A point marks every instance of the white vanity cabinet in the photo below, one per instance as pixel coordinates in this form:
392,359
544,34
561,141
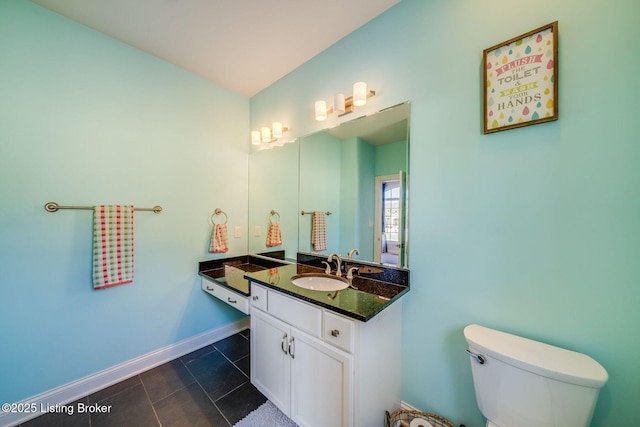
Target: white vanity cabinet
321,368
308,380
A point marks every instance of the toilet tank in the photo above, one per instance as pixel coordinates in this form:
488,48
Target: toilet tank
526,383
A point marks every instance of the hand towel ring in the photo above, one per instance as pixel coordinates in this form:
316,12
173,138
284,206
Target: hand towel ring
271,215
217,212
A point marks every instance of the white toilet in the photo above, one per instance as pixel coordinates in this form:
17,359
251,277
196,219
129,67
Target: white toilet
524,383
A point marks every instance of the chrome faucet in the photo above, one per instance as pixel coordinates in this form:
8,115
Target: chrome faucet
338,263
351,252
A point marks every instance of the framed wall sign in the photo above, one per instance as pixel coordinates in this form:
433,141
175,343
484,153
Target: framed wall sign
521,80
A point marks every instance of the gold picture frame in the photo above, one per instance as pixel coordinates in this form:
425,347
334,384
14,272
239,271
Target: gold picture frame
520,79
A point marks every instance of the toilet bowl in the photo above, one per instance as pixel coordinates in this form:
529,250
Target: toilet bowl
525,383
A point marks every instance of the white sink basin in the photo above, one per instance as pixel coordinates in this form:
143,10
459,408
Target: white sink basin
320,282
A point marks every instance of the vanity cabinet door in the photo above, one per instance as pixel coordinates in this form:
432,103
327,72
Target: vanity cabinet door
270,360
321,383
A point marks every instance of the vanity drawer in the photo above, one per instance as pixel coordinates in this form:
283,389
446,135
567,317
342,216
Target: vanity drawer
302,316
258,297
339,331
235,300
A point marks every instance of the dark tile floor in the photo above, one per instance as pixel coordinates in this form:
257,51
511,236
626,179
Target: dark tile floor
209,387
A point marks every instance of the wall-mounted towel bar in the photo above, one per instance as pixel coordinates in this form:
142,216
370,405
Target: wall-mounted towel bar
309,213
54,207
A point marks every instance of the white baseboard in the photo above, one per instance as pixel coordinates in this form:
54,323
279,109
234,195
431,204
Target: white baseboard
405,406
90,384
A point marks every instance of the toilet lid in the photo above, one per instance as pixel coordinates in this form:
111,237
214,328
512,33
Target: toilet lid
537,357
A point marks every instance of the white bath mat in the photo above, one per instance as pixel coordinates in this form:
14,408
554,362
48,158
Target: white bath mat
267,415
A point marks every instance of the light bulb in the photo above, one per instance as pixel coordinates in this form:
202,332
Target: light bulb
321,110
266,134
255,137
277,130
359,94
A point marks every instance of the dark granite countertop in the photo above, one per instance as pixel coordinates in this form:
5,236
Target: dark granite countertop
363,303
374,289
229,272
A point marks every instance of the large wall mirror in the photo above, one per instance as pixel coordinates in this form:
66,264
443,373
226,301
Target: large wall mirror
273,198
353,176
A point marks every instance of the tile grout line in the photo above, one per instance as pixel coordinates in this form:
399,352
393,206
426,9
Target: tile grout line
115,394
233,363
205,392
153,408
175,391
230,391
90,422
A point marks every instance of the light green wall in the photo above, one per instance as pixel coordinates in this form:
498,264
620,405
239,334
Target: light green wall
348,194
535,230
365,200
86,120
357,197
391,158
320,188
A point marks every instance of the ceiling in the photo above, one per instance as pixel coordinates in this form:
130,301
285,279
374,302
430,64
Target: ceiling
243,45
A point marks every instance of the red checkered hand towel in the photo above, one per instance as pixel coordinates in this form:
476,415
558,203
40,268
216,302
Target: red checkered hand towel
318,232
274,235
219,239
112,246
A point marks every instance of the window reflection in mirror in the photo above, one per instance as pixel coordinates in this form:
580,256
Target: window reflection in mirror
356,171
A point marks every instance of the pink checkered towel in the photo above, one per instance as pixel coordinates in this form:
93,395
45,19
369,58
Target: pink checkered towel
112,246
219,239
318,232
274,235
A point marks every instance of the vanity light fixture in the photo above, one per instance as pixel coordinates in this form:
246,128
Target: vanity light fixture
268,134
342,105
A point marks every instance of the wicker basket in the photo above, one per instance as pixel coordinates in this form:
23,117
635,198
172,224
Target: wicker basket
403,418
